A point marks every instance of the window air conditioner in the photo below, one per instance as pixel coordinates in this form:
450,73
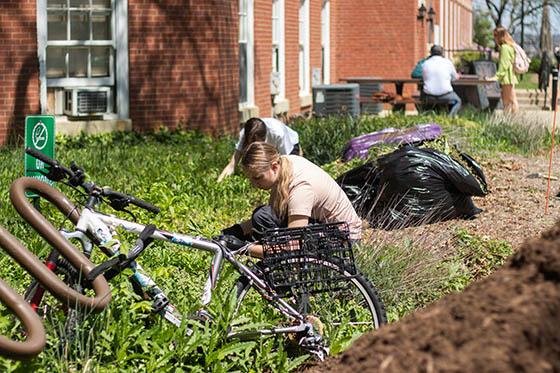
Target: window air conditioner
88,101
335,99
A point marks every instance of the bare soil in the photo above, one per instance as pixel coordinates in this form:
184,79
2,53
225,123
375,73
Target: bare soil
506,322
513,210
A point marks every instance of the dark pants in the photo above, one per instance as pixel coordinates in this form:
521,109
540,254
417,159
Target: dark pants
450,98
264,218
295,150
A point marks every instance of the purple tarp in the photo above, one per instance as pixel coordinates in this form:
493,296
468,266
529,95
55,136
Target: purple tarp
359,146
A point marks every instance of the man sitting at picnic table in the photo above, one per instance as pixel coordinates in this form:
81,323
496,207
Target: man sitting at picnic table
437,74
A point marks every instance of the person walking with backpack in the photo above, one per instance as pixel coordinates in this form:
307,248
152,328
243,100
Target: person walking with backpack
506,74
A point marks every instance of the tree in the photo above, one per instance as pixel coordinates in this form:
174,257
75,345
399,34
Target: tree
546,36
500,10
482,29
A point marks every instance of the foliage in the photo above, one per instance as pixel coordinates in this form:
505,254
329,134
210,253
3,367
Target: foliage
463,60
483,29
479,133
411,274
177,171
535,65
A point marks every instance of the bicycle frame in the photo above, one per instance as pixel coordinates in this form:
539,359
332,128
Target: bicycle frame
102,227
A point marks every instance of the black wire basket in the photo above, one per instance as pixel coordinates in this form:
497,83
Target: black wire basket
313,259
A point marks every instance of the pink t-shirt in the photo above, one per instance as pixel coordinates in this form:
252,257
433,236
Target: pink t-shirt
313,193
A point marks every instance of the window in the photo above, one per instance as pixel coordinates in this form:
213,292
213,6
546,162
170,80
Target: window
245,52
278,42
325,42
304,87
78,48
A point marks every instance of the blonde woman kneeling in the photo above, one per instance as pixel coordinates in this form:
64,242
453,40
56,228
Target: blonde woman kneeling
300,193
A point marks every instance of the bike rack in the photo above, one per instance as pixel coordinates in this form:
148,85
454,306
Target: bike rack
31,263
50,281
34,327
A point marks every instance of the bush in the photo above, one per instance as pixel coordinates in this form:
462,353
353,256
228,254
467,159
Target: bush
535,65
463,60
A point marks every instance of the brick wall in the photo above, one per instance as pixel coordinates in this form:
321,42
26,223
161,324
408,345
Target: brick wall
263,55
263,51
291,37
184,64
19,67
375,38
184,56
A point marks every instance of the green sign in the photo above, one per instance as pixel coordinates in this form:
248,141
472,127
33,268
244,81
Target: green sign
39,135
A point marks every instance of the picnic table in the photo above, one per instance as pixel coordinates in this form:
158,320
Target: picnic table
400,101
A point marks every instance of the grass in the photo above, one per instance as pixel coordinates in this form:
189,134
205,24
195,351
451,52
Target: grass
177,172
412,271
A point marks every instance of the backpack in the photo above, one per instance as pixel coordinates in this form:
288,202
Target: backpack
417,72
521,62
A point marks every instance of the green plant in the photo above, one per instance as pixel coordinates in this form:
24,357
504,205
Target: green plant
177,171
463,59
412,271
535,65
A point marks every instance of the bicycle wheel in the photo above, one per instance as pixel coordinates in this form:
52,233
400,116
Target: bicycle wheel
342,314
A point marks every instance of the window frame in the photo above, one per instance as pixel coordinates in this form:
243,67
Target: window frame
279,43
118,60
326,41
250,53
304,60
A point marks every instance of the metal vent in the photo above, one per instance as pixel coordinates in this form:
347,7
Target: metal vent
367,89
88,101
336,99
92,102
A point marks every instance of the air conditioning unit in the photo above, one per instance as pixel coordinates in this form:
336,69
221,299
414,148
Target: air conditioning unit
88,101
367,89
333,99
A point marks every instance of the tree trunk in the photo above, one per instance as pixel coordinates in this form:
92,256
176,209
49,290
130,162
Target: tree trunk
546,35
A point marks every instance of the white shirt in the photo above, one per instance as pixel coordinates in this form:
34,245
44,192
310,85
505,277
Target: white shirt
437,74
277,134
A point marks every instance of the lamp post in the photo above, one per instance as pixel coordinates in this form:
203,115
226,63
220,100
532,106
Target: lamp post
431,17
421,12
555,69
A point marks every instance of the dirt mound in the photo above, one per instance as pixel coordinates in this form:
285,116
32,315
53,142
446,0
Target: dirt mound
507,322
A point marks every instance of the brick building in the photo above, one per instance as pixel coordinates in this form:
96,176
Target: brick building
203,64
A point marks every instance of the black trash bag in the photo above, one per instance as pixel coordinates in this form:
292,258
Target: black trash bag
413,186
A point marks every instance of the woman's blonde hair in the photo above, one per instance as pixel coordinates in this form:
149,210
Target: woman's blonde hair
502,36
257,159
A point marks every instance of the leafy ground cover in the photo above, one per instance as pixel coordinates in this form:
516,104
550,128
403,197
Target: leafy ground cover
177,171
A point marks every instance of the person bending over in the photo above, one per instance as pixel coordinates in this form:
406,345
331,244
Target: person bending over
437,74
269,130
300,193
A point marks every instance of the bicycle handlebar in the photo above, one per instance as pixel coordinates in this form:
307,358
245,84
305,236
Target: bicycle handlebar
112,267
121,199
76,178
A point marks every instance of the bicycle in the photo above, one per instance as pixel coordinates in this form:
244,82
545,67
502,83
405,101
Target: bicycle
326,275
